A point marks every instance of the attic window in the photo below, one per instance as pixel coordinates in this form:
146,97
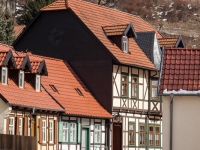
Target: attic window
37,83
4,76
21,79
79,91
53,87
125,44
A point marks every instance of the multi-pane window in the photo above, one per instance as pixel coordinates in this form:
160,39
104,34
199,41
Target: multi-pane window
11,126
4,76
157,135
154,135
141,134
154,88
20,126
151,135
51,131
21,79
125,44
65,132
131,134
124,87
69,131
44,131
134,87
37,83
72,132
97,133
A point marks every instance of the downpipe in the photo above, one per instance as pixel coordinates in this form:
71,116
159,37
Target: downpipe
171,120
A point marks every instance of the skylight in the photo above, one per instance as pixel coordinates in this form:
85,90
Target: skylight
79,91
53,87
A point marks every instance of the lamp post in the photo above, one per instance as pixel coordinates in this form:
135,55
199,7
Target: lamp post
118,117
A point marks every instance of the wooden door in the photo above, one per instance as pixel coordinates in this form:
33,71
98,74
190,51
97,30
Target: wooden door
85,139
117,136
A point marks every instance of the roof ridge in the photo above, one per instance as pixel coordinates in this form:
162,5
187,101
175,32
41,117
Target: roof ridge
6,45
112,9
182,48
45,57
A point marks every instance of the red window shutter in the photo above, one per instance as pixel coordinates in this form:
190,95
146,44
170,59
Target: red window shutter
25,125
40,130
55,131
17,125
7,125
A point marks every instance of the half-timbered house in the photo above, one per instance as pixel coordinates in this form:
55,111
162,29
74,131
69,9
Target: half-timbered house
26,109
180,90
101,45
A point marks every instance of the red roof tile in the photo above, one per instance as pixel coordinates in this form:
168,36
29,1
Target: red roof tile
95,17
180,70
168,42
61,75
18,30
115,30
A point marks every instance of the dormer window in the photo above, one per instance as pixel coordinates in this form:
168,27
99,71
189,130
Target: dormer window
4,76
21,79
37,83
125,44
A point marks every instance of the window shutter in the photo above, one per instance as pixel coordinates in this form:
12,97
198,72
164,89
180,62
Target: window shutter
17,125
79,133
55,131
40,130
60,131
25,120
7,125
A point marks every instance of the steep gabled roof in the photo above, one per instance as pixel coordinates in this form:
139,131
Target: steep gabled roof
180,71
26,97
171,42
70,91
95,17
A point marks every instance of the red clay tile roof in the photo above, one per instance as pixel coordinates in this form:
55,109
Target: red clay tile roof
181,70
61,75
18,30
168,42
115,30
95,17
26,97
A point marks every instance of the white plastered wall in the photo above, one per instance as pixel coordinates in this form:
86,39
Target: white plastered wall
186,120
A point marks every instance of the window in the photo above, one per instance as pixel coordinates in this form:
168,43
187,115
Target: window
141,134
134,87
151,137
125,44
51,131
21,79
4,76
131,134
68,132
53,87
11,126
154,87
65,132
20,126
157,135
37,83
97,133
43,131
124,88
29,129
154,135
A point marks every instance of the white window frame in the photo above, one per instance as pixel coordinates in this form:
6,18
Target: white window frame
51,131
97,133
20,126
29,129
73,131
21,78
12,126
6,75
37,83
44,131
65,131
125,44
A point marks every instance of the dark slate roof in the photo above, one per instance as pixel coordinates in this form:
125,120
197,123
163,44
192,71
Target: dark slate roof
145,40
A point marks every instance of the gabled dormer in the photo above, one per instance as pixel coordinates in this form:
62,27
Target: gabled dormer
120,35
172,42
